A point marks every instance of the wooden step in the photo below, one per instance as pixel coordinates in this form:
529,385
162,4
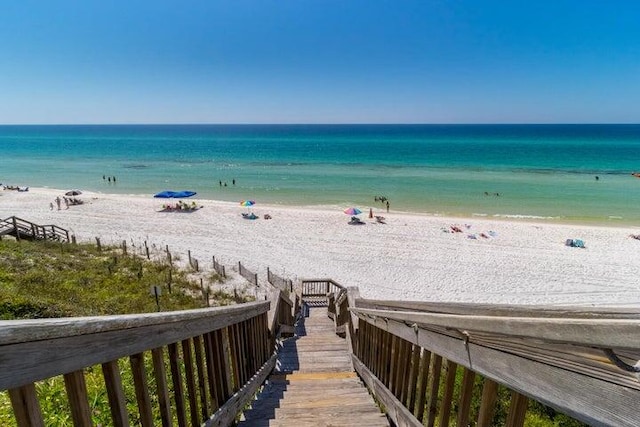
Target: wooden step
313,383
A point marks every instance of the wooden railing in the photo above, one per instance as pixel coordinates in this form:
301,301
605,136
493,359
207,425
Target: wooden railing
217,359
21,228
427,362
318,288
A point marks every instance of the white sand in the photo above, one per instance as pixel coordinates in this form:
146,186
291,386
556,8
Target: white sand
408,258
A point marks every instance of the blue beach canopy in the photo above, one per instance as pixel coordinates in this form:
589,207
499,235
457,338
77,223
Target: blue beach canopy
167,194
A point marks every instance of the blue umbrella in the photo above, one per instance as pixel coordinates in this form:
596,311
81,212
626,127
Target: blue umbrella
167,194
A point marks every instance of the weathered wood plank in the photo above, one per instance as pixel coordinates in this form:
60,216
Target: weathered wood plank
178,390
115,394
447,397
187,358
606,403
142,389
394,408
23,361
26,407
487,403
606,333
78,400
226,414
436,372
12,331
466,394
504,310
162,391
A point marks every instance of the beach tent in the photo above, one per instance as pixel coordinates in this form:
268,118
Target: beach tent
167,194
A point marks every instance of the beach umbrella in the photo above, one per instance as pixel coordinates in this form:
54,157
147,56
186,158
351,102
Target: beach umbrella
73,193
167,194
247,203
352,211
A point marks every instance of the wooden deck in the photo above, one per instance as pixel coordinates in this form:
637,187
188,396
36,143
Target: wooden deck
313,383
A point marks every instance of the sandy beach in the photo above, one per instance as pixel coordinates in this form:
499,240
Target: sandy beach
410,257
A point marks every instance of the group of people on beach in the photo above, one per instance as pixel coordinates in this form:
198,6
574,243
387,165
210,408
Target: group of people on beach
224,184
68,201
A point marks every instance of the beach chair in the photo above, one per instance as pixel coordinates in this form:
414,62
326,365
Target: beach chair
355,221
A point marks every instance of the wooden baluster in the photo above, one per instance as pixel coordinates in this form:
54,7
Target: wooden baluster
445,408
436,372
78,400
142,390
160,374
413,377
213,372
115,393
487,403
176,378
202,381
466,394
26,407
517,410
187,357
423,380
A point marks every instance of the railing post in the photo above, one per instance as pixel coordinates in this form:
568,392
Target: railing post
15,227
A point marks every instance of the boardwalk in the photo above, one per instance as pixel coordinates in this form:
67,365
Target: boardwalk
314,383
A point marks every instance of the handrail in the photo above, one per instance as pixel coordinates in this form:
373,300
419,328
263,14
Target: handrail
222,353
409,353
22,226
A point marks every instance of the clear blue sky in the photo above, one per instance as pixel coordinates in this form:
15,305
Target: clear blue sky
306,61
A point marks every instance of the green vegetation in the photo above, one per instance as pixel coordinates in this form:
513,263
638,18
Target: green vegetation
47,279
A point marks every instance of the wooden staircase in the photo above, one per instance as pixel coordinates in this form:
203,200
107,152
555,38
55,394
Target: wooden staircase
22,229
313,383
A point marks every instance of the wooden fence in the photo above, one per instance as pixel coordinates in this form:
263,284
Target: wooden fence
285,285
248,274
427,362
217,359
219,268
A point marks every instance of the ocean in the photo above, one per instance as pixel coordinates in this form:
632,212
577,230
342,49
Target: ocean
560,173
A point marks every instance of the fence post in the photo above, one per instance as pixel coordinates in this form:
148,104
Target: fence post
73,239
124,247
146,248
255,279
189,255
98,244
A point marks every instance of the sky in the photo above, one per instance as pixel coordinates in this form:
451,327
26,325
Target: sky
324,61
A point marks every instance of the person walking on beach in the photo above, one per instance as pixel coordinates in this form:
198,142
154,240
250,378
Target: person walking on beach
387,206
58,202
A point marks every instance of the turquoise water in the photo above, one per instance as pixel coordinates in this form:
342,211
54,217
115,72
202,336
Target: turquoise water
539,171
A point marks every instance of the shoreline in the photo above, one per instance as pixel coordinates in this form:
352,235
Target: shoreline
408,258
